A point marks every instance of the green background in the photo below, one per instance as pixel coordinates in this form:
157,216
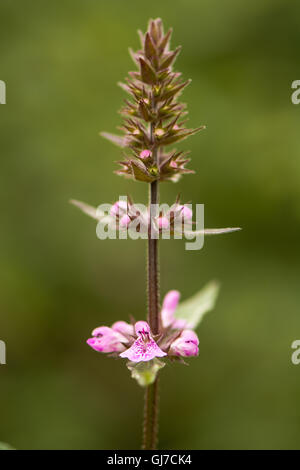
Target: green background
61,60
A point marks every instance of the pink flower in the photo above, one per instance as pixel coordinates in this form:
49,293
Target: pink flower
169,306
186,345
144,348
185,212
170,303
125,220
107,340
145,154
118,208
163,222
123,328
173,164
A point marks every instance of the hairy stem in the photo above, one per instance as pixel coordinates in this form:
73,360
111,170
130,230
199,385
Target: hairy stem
152,392
151,416
153,267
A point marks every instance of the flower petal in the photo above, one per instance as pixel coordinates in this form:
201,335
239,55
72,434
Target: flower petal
143,351
123,327
142,327
186,345
106,344
170,303
102,330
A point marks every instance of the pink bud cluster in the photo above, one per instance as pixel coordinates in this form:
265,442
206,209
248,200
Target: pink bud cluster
179,212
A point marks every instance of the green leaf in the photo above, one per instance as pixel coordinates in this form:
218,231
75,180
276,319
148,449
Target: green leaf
140,171
145,372
173,90
170,58
194,308
4,446
179,135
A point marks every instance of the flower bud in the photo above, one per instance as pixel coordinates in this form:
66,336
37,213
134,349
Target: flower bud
159,132
119,208
107,340
125,220
185,212
145,154
186,345
163,222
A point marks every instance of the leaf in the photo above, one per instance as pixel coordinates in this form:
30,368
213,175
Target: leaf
144,111
133,55
174,90
115,139
147,73
180,135
194,308
162,45
155,30
87,209
170,58
140,172
4,446
150,51
213,231
145,372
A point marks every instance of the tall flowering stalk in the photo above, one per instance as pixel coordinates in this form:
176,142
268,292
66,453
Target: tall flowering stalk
153,119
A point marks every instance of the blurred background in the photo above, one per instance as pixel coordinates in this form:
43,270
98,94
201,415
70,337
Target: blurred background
61,61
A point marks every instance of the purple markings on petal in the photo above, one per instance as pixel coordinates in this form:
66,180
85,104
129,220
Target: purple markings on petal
144,348
186,345
170,303
142,327
143,351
